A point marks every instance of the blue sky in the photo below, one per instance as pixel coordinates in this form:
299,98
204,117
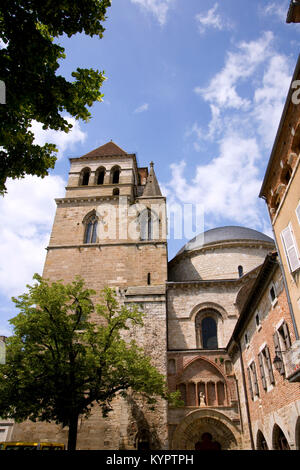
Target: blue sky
197,87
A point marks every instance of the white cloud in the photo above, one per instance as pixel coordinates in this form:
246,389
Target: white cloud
27,213
212,19
269,98
158,8
61,139
144,107
228,186
246,99
275,9
239,66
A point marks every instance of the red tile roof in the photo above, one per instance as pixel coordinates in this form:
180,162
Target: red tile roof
107,150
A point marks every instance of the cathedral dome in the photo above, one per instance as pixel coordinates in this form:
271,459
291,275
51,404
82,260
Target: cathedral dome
221,235
220,253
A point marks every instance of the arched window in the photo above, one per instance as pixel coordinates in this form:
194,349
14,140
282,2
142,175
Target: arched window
115,175
84,177
99,176
206,330
90,235
146,219
241,271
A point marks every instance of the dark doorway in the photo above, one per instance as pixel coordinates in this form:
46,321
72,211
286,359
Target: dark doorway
207,443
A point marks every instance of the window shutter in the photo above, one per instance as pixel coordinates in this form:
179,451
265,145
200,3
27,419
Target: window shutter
290,248
256,389
269,363
286,335
250,383
277,349
262,372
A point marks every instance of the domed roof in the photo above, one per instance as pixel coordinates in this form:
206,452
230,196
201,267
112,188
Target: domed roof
224,234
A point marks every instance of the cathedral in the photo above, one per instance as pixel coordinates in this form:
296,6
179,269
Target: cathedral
210,316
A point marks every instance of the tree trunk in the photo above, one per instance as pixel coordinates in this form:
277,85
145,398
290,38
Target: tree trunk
72,436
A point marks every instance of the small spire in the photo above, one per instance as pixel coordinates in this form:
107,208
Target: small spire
152,187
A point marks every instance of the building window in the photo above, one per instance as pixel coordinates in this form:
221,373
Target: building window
146,224
115,175
85,177
99,176
241,271
206,333
116,192
90,235
284,336
282,343
252,379
265,366
290,248
209,333
257,320
246,339
148,279
272,293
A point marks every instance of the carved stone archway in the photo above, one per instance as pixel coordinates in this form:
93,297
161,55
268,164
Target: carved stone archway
192,428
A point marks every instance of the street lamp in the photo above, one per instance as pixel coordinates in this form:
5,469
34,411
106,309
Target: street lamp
278,362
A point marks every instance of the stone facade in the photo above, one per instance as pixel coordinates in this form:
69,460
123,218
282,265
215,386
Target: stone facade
281,190
110,228
273,401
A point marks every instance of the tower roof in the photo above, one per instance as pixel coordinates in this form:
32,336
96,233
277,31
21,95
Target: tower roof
107,150
152,187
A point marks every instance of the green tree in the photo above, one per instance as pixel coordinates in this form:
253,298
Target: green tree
34,90
66,355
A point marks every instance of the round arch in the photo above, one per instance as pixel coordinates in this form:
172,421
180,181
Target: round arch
192,428
261,442
208,306
199,372
279,440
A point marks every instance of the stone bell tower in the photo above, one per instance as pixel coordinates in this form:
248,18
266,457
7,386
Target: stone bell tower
110,230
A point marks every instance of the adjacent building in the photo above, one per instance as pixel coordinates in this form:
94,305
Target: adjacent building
281,190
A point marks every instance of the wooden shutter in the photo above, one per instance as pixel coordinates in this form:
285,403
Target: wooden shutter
250,383
262,371
290,248
277,350
286,335
269,364
256,389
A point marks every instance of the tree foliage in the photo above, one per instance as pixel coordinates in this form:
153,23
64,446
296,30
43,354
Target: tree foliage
66,355
34,90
